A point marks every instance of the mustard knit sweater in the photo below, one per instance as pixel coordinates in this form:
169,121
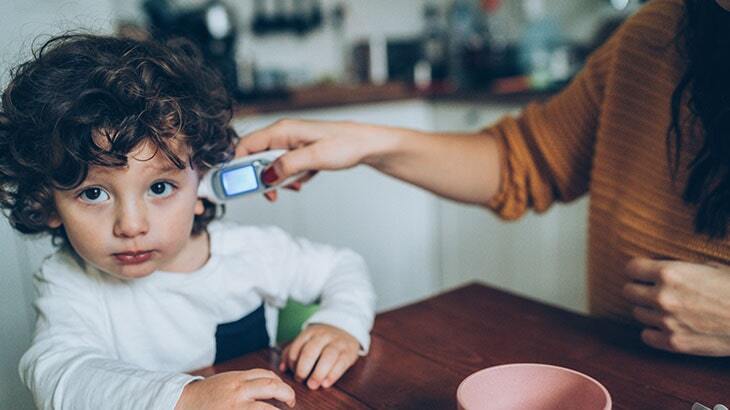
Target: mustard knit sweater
606,135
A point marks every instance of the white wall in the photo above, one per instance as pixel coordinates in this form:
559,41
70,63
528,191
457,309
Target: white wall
16,319
21,23
24,21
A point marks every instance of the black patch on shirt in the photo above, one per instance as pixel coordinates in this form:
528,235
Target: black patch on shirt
245,335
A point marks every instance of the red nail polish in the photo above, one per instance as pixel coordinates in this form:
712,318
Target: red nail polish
269,176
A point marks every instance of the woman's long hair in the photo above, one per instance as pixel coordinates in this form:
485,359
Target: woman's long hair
704,40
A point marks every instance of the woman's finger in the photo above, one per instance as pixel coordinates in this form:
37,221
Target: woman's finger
664,271
657,339
271,195
261,140
296,161
286,134
296,185
684,342
656,319
644,269
641,294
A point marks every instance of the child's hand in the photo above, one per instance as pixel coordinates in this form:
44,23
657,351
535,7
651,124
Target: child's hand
236,390
332,349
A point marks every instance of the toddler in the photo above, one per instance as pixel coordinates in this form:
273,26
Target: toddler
103,142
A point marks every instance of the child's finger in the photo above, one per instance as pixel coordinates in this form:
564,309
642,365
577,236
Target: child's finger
325,363
282,359
295,348
267,388
259,374
310,353
259,405
338,369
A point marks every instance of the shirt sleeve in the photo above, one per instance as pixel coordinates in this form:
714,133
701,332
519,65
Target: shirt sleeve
70,364
546,152
338,278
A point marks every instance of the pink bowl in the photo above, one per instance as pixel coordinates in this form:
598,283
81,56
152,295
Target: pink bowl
531,386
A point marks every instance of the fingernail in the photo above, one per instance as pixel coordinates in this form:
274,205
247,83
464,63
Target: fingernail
269,176
313,385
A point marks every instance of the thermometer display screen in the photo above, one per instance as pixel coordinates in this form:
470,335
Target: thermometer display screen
239,180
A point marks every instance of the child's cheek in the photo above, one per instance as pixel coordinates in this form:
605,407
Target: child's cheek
176,217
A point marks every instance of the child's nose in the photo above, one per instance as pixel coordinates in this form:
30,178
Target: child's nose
131,220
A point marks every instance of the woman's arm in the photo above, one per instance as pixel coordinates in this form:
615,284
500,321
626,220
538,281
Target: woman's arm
463,167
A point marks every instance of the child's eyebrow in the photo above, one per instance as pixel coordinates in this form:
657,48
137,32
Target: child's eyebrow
167,168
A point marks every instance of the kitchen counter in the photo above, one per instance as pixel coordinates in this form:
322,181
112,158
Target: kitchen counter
337,96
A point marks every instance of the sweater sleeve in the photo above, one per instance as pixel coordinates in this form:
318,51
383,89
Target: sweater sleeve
546,152
338,278
70,364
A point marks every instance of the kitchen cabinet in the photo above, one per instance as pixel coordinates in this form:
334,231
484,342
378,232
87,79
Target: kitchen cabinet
476,245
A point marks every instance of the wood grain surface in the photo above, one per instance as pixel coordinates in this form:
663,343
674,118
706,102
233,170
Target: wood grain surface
421,352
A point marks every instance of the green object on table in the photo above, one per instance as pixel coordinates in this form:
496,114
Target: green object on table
291,318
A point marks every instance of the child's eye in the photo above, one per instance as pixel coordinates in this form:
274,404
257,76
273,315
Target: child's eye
94,195
161,189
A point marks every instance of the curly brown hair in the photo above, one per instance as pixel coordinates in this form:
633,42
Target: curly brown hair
79,86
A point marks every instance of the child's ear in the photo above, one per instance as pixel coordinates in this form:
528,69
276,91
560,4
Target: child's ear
199,207
54,221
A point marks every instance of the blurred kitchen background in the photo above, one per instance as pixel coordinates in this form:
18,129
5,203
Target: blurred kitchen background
439,65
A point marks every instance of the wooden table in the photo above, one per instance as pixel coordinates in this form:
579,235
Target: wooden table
421,352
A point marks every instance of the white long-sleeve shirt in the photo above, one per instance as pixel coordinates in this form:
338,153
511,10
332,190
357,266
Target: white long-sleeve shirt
105,343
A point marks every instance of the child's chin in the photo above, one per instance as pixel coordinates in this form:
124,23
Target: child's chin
135,272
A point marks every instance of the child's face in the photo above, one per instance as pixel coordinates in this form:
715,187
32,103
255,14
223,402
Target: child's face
133,220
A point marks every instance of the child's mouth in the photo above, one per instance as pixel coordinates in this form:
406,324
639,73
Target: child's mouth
133,258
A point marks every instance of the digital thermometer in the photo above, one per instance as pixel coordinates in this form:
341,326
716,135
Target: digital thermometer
240,177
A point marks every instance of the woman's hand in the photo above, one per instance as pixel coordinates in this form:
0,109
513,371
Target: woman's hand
236,390
313,145
331,349
684,306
